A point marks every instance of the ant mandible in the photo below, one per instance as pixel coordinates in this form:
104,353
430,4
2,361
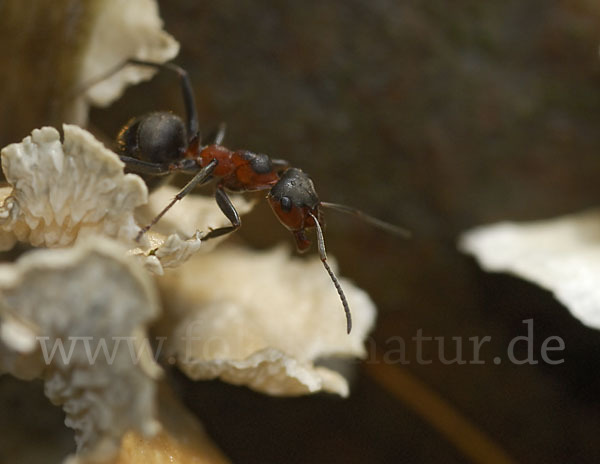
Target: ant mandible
159,144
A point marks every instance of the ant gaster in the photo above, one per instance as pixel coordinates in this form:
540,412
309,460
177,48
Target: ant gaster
159,144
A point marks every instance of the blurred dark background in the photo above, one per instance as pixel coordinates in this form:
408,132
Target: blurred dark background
439,116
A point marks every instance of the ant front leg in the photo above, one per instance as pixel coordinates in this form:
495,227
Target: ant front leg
201,177
228,210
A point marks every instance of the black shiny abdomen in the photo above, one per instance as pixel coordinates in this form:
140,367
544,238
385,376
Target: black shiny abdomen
158,137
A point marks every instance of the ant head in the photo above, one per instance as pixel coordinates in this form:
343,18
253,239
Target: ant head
295,202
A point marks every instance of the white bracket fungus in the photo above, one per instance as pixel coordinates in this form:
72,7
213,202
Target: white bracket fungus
61,190
561,255
261,319
122,29
85,309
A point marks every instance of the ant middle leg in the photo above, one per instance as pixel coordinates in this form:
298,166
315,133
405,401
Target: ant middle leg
225,205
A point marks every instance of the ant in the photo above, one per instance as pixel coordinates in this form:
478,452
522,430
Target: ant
158,144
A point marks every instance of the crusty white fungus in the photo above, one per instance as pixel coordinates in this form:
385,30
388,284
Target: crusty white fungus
96,304
65,189
561,255
261,319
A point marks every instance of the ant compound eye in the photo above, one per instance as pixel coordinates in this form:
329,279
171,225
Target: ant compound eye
286,204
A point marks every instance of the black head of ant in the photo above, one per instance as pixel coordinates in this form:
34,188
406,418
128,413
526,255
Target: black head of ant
159,144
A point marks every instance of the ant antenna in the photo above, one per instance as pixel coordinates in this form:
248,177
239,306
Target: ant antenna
391,228
338,287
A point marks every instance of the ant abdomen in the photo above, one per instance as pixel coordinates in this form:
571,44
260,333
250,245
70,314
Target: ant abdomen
158,137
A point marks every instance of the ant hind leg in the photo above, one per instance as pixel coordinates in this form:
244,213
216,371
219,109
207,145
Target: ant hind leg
145,167
216,136
186,89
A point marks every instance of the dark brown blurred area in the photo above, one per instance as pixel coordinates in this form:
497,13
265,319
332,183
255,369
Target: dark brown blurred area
439,116
39,50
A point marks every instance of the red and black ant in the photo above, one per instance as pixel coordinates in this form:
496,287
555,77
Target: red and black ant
159,144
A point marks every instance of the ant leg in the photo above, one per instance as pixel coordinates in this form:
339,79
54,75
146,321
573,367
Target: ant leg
220,133
77,91
144,167
136,166
201,177
186,88
216,136
279,164
228,210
